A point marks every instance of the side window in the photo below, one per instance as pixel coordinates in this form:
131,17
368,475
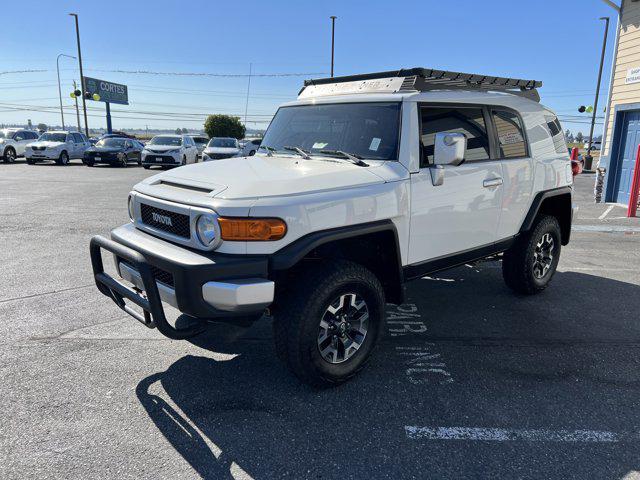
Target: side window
20,136
468,121
557,135
32,135
511,141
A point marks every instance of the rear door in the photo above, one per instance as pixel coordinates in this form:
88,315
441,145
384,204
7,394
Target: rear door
463,213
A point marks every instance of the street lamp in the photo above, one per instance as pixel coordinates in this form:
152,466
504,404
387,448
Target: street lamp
588,159
59,89
84,102
333,36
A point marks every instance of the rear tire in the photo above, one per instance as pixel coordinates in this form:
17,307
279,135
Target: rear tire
529,265
63,159
9,155
329,323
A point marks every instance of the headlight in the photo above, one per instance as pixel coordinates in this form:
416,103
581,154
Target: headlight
206,229
130,207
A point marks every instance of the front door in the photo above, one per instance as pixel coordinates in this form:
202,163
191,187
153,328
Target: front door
463,213
629,141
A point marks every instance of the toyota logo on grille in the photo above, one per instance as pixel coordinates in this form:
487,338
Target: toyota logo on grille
163,219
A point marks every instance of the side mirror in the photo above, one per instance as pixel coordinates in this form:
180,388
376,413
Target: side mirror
449,148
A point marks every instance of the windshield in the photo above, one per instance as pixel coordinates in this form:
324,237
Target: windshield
368,130
53,137
172,141
223,142
200,140
111,142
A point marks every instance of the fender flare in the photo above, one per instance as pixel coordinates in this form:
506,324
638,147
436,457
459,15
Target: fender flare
538,200
291,254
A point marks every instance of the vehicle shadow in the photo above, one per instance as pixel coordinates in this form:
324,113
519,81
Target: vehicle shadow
235,407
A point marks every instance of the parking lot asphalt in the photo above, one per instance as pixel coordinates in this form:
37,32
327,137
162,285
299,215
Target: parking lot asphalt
470,380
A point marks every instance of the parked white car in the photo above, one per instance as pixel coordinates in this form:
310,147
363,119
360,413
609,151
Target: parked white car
60,146
221,147
13,142
360,185
201,142
250,146
169,151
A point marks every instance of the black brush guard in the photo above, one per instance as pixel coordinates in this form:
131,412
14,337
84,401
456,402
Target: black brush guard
153,313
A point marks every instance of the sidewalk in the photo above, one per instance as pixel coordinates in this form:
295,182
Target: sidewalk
601,214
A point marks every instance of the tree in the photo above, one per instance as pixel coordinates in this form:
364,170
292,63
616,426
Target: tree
224,126
42,126
569,136
579,138
178,131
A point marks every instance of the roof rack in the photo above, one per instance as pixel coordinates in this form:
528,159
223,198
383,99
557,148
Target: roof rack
419,79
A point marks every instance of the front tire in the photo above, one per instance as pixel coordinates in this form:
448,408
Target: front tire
329,323
9,155
529,265
146,167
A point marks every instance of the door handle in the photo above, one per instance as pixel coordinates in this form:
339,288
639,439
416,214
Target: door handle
492,182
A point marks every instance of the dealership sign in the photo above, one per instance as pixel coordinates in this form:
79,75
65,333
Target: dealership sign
108,92
633,75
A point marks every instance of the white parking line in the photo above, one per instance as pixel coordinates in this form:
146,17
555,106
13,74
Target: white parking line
606,212
511,434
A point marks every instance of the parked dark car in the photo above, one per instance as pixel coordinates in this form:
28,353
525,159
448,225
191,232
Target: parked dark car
116,151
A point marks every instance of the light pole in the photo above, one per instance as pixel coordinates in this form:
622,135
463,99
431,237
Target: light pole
84,101
588,159
333,38
246,105
59,89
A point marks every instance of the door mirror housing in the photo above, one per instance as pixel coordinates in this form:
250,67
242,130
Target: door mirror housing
449,148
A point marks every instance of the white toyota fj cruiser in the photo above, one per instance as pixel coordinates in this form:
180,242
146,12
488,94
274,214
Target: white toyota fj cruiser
360,185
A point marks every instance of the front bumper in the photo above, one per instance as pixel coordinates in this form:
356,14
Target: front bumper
160,159
42,154
203,286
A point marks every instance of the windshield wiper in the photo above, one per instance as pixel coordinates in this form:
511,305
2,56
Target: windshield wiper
269,150
299,151
352,157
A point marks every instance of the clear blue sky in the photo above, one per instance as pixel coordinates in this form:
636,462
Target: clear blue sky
555,41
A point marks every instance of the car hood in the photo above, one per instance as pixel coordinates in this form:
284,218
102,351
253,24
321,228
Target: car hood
262,176
47,144
104,149
221,150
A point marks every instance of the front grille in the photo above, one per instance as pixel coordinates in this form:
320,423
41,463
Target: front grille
38,149
159,159
219,156
159,274
166,220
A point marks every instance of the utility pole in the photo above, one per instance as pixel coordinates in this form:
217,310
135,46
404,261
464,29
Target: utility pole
75,87
588,160
59,89
246,105
333,38
84,101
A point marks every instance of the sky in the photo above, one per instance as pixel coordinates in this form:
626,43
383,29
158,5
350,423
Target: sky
171,53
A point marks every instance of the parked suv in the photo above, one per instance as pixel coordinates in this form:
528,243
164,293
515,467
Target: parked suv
60,146
13,142
169,151
360,185
251,146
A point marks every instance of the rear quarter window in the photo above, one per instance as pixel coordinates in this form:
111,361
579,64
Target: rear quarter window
557,134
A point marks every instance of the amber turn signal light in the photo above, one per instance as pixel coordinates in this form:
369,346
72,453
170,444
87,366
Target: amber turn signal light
252,229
